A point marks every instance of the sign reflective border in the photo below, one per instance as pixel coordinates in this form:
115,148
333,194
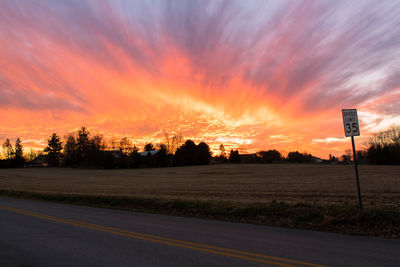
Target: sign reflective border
350,122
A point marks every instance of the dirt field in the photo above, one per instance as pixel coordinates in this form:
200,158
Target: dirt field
333,184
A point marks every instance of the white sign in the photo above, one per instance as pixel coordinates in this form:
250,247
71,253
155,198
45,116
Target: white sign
350,122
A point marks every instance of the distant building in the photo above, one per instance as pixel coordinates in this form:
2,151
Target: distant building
317,160
152,152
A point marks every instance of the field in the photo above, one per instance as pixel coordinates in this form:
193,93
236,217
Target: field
245,183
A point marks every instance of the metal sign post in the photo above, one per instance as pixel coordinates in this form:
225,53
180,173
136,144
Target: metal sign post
351,128
358,179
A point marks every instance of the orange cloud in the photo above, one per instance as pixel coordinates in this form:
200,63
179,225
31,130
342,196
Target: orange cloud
250,78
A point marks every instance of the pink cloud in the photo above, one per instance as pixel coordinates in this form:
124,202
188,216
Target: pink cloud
209,70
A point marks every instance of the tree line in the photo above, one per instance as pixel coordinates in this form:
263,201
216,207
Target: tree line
14,158
384,147
84,149
263,156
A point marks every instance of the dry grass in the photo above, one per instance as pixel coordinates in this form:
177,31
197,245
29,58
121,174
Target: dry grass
291,183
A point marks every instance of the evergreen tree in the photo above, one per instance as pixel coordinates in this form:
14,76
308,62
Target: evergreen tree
53,149
83,144
19,150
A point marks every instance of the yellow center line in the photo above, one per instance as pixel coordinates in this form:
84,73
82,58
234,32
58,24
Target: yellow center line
277,261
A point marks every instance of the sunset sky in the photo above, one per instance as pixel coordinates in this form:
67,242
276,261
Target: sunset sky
251,75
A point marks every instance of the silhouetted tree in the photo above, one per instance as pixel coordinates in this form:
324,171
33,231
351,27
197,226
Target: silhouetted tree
97,143
96,154
186,154
203,154
135,158
362,154
19,150
169,144
177,141
222,151
173,143
125,146
53,149
270,156
221,155
70,150
162,158
19,154
346,157
31,156
384,147
332,158
297,157
8,149
112,144
123,160
13,159
83,144
234,156
148,147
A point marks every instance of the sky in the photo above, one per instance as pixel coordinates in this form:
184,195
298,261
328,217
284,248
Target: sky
252,75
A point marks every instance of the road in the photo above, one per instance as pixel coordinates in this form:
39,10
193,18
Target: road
35,233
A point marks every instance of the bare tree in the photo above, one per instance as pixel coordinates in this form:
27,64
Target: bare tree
8,149
32,155
384,147
168,143
98,143
112,144
394,134
175,142
346,157
125,146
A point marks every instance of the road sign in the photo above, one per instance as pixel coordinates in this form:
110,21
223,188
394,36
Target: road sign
351,128
350,122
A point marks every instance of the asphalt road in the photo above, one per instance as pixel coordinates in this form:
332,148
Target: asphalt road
35,233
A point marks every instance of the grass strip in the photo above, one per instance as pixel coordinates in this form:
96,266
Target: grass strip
382,222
